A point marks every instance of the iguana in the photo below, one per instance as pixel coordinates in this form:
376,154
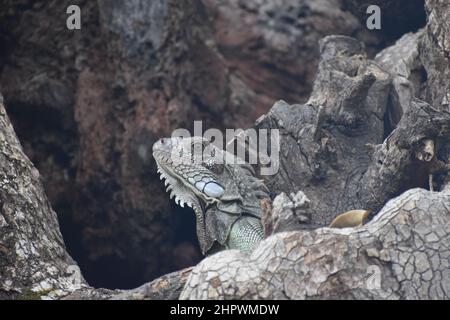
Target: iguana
224,194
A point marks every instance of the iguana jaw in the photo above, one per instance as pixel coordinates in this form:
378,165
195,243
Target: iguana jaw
180,190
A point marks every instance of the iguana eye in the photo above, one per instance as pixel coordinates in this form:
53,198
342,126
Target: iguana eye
214,167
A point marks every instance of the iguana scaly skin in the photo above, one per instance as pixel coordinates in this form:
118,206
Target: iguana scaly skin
224,195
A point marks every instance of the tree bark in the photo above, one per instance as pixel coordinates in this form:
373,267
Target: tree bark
401,254
33,258
167,287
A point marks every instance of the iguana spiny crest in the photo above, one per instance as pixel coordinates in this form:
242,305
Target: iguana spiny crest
224,193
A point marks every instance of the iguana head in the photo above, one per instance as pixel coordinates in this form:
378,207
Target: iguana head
218,187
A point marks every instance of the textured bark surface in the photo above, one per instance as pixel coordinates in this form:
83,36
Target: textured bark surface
331,147
276,42
402,253
167,287
435,57
33,258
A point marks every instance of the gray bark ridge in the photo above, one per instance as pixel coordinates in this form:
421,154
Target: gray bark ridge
33,258
323,141
402,253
